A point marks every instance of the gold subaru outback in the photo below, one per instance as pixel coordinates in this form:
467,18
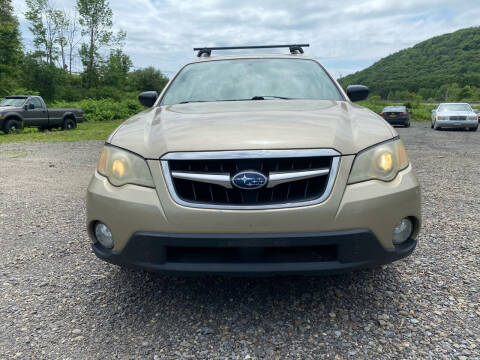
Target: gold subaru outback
253,165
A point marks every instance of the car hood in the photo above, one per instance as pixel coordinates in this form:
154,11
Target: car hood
4,109
252,125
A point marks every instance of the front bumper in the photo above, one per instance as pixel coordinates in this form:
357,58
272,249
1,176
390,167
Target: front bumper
373,206
254,254
457,123
397,120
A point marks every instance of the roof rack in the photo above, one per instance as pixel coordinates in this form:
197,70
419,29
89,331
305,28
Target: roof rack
294,48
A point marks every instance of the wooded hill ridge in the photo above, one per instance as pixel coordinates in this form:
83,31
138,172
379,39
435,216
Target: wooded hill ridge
445,67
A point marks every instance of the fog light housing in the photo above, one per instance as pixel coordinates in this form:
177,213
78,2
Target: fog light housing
103,235
402,231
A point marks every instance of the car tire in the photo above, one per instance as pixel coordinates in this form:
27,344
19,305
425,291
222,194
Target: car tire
474,128
12,126
431,125
435,126
69,124
407,124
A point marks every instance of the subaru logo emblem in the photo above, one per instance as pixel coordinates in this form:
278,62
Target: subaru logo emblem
249,180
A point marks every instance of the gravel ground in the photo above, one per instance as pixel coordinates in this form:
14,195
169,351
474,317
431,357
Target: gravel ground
57,300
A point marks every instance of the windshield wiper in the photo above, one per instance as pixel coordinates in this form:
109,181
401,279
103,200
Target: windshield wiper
259,98
253,98
262,97
192,101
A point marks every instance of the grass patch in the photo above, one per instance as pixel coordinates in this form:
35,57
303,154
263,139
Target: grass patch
84,131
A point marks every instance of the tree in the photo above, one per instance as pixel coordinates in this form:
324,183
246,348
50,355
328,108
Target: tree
95,17
72,37
44,22
465,93
148,79
41,76
61,23
116,68
10,48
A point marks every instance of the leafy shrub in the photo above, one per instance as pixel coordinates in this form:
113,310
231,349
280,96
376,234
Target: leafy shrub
104,109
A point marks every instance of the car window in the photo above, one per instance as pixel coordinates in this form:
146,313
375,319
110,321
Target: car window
36,102
395,109
243,79
12,102
454,107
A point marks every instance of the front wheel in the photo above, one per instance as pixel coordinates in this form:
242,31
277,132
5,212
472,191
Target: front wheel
474,128
69,124
12,126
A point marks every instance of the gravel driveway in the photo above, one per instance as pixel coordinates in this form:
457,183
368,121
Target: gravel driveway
57,300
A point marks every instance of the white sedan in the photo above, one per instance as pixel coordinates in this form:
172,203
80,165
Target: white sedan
454,115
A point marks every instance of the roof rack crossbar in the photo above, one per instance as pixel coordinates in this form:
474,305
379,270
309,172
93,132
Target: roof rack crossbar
207,51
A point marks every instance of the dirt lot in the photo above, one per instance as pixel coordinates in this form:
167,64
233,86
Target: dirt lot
57,300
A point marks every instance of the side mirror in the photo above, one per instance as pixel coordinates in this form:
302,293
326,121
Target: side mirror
357,92
31,106
433,110
25,107
148,98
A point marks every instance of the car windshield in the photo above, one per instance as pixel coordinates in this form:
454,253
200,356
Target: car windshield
395,109
454,107
251,79
12,101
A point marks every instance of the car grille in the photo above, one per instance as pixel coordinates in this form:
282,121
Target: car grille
458,118
287,193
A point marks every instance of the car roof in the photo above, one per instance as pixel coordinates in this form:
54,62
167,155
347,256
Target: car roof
17,96
457,103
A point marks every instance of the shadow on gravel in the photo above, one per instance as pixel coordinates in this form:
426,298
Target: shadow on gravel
217,302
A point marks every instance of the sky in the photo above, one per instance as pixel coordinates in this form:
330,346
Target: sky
344,35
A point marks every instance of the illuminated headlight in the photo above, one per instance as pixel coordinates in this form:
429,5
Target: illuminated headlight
122,167
380,162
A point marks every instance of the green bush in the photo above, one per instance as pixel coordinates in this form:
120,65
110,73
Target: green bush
104,109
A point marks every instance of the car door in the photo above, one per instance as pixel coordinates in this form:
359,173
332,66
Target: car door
36,113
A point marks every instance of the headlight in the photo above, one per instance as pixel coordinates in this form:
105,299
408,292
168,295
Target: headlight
472,118
122,167
380,162
442,117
